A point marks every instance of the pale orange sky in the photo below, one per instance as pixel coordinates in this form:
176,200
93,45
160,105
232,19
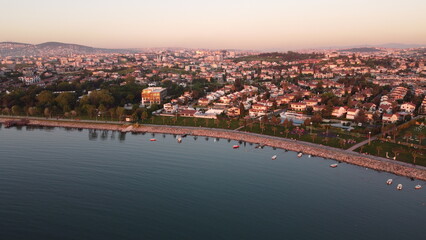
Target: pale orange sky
242,24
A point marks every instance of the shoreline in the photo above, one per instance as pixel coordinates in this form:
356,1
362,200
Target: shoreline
354,158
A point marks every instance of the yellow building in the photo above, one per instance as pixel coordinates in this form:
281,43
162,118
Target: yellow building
153,95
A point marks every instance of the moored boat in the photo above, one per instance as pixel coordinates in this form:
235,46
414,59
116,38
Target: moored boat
399,187
274,157
235,146
334,165
152,139
179,139
417,187
389,181
299,154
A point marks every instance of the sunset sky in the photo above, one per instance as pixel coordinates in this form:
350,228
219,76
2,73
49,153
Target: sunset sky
242,24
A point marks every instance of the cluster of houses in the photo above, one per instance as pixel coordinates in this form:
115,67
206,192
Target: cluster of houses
267,85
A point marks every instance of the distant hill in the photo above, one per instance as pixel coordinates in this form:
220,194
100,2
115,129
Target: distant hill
15,49
401,45
361,50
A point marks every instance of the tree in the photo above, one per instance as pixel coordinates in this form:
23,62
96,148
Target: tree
378,148
396,152
415,155
16,110
102,110
326,140
407,136
46,112
274,129
6,111
313,136
361,117
45,98
342,142
316,119
229,122
275,120
307,122
287,131
217,122
195,121
112,112
90,110
145,115
241,122
120,112
65,101
262,127
421,137
32,111
242,110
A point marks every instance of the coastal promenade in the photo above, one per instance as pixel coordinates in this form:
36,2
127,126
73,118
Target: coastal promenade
368,161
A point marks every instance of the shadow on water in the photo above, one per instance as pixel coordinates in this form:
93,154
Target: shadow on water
122,136
93,134
104,135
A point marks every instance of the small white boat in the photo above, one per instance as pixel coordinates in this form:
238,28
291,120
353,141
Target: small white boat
334,165
274,157
399,187
179,140
299,154
389,181
417,187
235,146
309,155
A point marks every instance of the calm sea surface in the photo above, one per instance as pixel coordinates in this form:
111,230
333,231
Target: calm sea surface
81,184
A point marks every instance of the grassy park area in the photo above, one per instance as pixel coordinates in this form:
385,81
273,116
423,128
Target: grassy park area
333,137
390,150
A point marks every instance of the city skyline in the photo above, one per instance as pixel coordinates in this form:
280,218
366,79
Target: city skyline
266,25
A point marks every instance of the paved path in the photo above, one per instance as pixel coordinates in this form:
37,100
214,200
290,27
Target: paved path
358,145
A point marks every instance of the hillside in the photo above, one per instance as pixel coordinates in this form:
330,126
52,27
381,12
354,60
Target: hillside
15,49
361,50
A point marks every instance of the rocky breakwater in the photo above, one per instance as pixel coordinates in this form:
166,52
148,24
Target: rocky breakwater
372,162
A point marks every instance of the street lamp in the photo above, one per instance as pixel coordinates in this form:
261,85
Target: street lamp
369,138
311,128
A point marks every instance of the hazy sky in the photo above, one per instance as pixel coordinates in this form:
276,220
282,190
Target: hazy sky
243,24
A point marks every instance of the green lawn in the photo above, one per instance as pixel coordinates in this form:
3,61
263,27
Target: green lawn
415,131
387,147
280,131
